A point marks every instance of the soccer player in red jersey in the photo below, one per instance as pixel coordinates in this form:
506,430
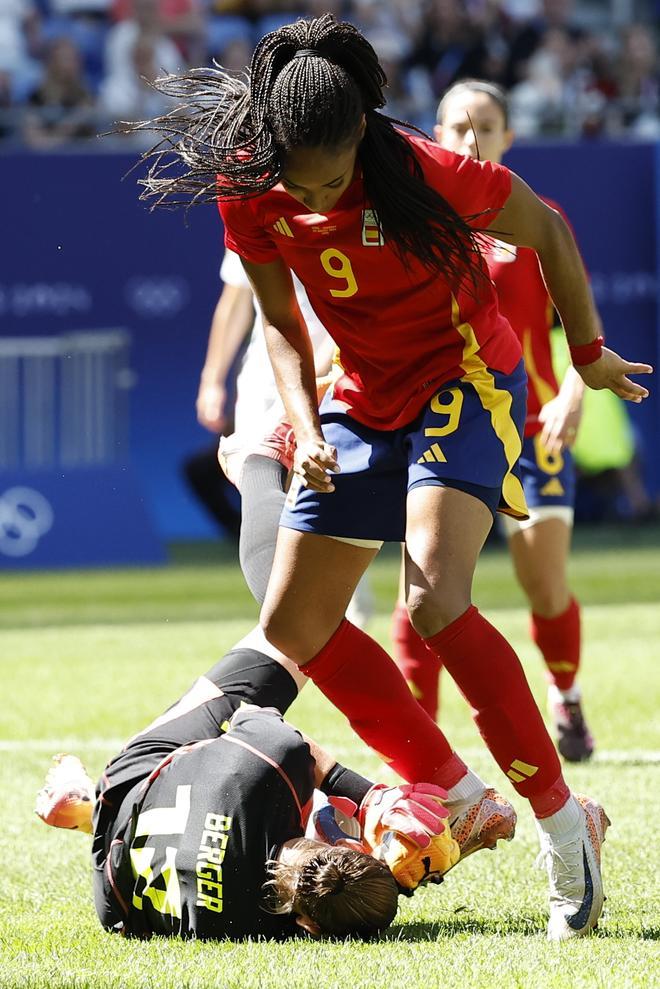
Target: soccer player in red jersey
420,436
473,121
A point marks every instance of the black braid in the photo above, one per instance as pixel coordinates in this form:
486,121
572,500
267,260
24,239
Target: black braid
412,215
231,136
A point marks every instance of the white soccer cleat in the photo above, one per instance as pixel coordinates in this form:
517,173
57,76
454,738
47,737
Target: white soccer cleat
573,864
66,800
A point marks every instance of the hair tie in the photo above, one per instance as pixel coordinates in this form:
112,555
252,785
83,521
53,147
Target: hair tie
304,52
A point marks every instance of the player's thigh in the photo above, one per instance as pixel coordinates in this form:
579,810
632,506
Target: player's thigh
540,556
540,545
445,533
463,467
312,582
469,437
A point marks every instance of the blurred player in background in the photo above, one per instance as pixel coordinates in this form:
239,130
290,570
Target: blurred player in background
258,469
473,120
230,326
205,824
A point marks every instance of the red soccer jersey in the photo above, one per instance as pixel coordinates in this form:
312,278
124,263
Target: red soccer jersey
400,331
525,302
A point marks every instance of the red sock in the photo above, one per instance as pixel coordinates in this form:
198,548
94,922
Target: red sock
558,639
419,666
359,678
489,675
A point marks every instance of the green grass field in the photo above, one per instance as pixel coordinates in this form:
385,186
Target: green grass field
88,658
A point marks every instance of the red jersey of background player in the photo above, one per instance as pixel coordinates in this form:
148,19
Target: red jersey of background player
400,331
525,302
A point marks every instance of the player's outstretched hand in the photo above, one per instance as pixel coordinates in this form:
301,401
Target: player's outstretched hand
407,828
314,463
611,371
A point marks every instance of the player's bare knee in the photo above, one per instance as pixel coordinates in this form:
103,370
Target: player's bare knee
546,598
283,635
276,632
430,611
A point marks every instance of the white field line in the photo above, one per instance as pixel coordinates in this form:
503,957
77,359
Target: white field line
111,746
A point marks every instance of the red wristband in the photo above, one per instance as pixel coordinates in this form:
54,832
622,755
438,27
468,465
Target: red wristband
586,353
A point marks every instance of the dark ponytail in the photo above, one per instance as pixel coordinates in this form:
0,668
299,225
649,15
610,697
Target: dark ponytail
344,892
309,85
414,217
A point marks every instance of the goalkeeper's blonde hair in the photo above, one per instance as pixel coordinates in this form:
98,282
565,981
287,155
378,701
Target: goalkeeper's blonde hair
342,890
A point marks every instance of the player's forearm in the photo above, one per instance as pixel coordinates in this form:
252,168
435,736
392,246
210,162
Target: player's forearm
567,283
334,779
525,220
323,761
232,321
292,358
572,387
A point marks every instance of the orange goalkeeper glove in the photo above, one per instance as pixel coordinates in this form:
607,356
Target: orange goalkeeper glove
407,828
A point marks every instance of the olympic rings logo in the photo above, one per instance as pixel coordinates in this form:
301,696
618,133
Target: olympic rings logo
158,296
25,516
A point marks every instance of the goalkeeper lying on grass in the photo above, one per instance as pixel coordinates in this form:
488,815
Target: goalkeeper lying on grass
221,820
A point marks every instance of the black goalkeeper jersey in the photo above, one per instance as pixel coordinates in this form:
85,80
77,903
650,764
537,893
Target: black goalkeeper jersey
185,851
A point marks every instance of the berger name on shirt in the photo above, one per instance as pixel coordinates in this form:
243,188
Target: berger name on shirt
210,857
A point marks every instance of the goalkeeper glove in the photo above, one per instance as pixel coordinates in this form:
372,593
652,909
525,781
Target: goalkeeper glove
334,823
407,828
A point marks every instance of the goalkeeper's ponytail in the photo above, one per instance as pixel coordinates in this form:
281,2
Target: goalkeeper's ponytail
342,891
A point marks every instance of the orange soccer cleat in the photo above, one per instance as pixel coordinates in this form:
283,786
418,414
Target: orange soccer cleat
66,800
481,822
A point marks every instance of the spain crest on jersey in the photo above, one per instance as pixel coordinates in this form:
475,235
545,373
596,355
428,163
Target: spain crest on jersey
372,235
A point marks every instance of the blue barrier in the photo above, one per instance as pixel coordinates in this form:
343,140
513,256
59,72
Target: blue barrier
83,254
68,493
83,517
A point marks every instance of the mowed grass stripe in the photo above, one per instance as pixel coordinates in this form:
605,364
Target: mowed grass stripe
204,583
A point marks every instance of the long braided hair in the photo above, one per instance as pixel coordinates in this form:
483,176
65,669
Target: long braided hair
309,85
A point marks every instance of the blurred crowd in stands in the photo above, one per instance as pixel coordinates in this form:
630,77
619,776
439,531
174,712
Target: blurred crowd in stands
70,68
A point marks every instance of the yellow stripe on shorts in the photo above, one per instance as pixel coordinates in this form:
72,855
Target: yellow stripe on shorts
496,401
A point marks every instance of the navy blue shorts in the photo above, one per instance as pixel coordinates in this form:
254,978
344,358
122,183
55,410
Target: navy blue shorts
548,479
468,436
